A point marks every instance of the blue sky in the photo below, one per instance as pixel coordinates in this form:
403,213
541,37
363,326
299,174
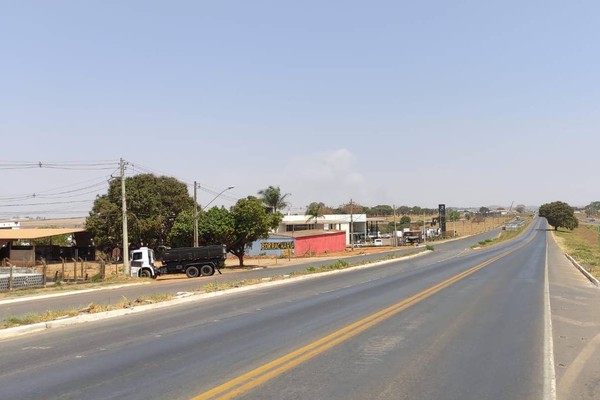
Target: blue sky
467,103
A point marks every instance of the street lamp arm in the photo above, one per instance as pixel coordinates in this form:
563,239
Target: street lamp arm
217,196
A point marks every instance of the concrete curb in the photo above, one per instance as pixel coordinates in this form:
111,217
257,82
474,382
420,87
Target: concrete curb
183,299
67,293
583,271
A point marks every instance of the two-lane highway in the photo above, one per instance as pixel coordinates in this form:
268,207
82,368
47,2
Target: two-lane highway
112,296
460,327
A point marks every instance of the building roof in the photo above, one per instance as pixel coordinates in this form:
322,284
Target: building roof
29,234
309,233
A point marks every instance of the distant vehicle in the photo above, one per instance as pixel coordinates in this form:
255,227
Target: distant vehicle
378,242
192,261
412,237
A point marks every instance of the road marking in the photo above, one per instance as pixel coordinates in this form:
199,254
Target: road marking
549,369
272,369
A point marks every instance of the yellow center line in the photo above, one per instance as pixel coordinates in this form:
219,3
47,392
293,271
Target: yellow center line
272,369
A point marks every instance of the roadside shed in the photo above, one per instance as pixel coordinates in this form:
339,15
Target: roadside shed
24,254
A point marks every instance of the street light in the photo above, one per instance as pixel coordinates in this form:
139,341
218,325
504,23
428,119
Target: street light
204,208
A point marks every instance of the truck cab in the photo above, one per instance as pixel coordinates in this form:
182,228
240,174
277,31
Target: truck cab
142,263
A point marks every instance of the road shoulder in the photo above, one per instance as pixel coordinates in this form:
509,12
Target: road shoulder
576,328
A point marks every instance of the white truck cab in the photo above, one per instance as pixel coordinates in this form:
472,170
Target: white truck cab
142,263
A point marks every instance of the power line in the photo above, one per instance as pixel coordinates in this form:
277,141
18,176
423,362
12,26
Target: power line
66,165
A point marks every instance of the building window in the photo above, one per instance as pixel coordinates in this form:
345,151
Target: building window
301,227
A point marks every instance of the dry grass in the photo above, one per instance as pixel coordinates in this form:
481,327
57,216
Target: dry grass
583,244
92,308
462,227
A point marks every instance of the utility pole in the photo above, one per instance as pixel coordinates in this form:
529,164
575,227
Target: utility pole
124,210
351,225
195,214
424,229
395,235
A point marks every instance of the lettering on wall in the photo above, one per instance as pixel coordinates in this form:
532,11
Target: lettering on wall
277,245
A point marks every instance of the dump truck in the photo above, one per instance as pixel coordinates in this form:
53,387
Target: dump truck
192,261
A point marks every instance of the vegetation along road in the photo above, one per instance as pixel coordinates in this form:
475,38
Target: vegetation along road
468,325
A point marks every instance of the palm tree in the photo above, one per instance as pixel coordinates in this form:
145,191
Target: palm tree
272,199
314,211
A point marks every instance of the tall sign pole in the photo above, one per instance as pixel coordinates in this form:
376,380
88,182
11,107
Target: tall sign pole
124,210
442,212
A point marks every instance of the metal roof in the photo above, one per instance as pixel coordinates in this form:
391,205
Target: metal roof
309,232
29,234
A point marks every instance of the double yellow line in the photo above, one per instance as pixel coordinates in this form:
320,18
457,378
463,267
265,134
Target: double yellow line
270,370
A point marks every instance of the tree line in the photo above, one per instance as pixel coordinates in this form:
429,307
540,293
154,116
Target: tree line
160,212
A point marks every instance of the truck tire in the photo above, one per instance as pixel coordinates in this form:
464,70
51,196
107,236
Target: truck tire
145,274
192,272
207,270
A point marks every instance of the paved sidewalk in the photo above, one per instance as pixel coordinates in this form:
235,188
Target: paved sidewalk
575,304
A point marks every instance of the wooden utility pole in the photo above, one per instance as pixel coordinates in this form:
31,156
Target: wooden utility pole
124,210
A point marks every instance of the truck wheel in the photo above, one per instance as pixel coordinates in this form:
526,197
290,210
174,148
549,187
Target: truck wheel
145,274
207,270
192,272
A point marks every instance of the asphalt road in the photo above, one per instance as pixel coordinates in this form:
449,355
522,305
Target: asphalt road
111,296
454,326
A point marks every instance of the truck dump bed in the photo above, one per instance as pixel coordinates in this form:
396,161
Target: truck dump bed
194,253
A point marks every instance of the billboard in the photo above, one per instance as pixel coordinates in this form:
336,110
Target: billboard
442,212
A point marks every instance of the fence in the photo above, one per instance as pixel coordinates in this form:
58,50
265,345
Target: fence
15,278
73,271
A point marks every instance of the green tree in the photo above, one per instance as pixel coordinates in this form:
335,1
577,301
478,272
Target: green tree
381,210
405,220
484,210
520,208
559,214
593,209
272,198
182,232
217,226
453,215
314,211
153,203
251,222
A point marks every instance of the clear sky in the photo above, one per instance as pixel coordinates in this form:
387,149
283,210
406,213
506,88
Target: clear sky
467,103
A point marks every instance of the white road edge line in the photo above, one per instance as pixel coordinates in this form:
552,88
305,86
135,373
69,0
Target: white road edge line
549,369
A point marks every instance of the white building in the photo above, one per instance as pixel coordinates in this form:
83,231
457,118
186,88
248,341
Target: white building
336,222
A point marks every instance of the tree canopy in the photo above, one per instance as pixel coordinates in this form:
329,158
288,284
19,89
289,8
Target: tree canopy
314,211
559,214
251,222
153,203
272,198
453,215
593,209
